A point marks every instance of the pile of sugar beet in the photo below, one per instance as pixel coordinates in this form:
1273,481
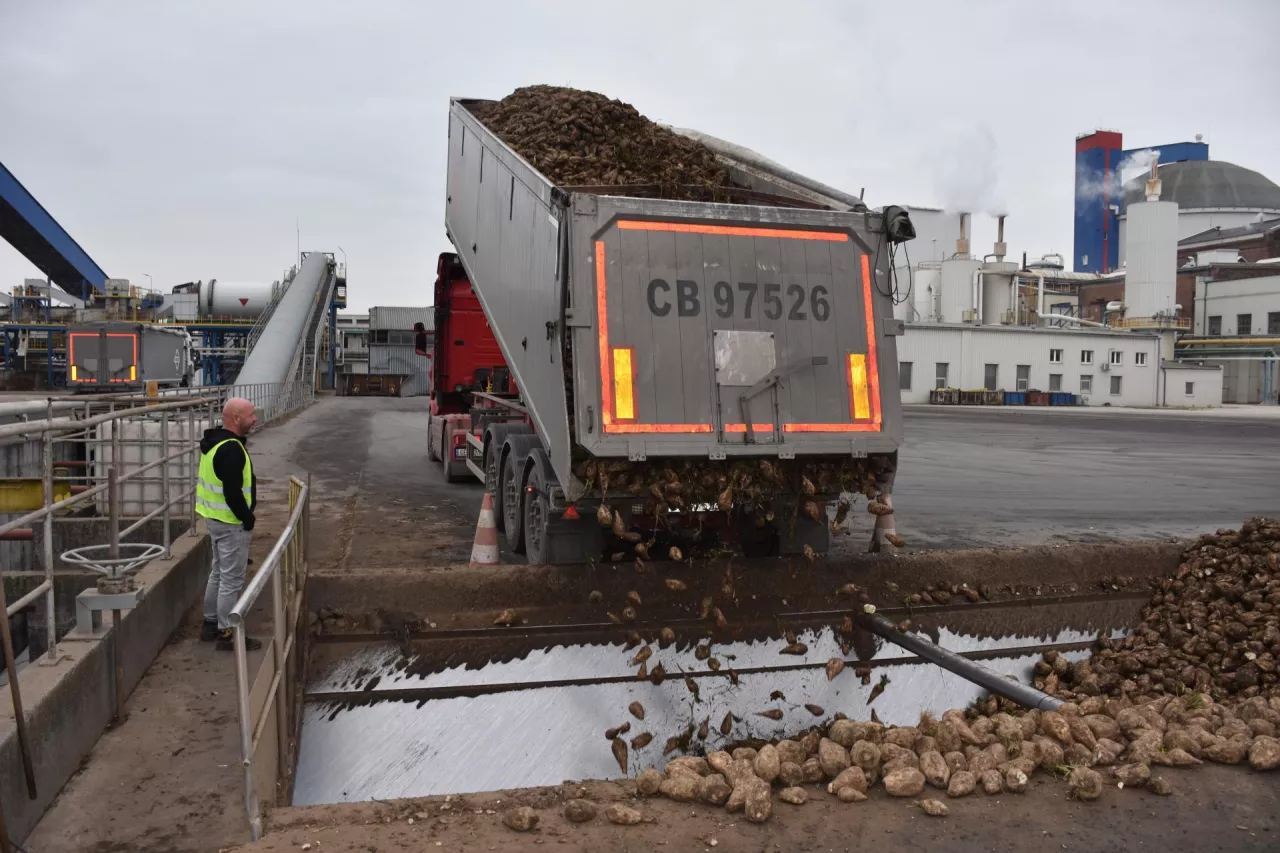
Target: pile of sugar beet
578,138
1196,682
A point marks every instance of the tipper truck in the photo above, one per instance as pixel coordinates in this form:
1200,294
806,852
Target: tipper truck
674,377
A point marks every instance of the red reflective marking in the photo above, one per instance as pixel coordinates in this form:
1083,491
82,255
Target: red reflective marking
732,230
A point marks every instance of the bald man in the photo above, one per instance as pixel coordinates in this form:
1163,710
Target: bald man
226,495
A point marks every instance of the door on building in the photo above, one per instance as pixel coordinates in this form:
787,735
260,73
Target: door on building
991,377
1024,377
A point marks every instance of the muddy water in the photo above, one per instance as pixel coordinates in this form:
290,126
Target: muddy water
363,741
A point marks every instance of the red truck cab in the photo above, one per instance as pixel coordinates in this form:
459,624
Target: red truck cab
465,358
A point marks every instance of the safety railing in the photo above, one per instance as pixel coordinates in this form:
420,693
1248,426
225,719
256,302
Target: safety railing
1150,322
131,460
267,702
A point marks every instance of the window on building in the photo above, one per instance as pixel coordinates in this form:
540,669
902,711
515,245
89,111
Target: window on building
904,375
1086,383
1055,356
1086,356
1140,359
1117,357
391,336
1055,381
1244,324
991,376
1024,377
940,376
1215,325
1191,389
1115,386
1273,323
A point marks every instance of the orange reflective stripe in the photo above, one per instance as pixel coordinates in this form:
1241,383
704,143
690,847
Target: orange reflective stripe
870,427
873,369
743,427
646,428
602,321
732,230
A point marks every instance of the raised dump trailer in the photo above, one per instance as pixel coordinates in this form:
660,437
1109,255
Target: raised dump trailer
667,350
116,356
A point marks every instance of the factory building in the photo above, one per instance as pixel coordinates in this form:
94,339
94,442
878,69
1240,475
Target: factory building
1016,333
1210,194
394,368
1099,366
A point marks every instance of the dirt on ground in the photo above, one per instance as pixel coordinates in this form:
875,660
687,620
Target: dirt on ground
1212,808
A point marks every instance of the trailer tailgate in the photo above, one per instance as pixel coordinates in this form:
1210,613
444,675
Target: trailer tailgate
730,337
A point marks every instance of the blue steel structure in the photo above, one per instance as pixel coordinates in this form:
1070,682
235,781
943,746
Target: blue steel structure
31,230
1099,194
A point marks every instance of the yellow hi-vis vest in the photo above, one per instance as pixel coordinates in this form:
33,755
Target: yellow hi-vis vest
210,501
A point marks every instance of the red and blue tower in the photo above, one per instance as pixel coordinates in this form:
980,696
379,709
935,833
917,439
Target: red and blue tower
1098,200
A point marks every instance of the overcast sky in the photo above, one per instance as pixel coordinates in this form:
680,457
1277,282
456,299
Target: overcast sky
182,139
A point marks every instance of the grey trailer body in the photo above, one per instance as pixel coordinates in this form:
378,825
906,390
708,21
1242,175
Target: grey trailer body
676,311
107,356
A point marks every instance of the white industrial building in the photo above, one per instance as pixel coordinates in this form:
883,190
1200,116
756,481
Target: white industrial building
1245,306
1104,368
973,324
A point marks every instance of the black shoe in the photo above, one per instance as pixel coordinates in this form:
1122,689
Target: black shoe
208,631
226,643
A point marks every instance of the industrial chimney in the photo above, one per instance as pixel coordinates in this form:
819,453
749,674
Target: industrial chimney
962,242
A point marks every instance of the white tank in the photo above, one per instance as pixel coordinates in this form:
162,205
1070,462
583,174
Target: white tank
923,288
996,299
957,289
238,299
1151,258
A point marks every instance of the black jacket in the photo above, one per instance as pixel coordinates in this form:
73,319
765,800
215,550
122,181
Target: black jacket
228,466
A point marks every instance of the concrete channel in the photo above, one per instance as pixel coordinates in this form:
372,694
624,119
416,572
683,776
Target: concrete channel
400,705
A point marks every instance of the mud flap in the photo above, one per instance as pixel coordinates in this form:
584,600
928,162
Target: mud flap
805,531
578,541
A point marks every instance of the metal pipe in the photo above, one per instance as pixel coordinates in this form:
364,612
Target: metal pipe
1023,694
246,733
1040,304
22,534
51,635
19,718
164,479
41,589
113,514
1070,319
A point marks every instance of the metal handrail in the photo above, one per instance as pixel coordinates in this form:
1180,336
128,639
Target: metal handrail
292,542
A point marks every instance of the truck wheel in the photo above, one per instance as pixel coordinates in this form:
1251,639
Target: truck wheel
432,453
537,514
512,505
446,452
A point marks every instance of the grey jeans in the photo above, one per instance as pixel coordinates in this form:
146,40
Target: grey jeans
230,546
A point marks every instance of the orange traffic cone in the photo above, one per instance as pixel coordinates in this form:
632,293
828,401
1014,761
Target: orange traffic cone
485,550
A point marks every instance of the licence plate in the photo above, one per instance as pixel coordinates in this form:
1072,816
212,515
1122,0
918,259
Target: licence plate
459,453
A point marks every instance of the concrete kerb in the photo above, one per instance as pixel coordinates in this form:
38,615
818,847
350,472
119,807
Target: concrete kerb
69,704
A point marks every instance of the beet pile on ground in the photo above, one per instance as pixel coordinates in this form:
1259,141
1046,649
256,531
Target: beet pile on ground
1196,683
1214,628
578,138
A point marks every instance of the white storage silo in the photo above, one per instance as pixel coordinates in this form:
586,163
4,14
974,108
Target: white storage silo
236,299
997,293
957,289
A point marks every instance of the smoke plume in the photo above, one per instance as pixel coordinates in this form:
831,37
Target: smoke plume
966,174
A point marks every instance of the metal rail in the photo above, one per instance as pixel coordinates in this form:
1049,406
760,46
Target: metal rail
285,568
164,432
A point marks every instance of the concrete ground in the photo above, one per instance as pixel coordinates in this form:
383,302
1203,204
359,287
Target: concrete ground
168,779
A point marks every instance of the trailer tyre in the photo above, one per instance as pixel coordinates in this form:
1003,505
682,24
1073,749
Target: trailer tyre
432,453
537,514
512,486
